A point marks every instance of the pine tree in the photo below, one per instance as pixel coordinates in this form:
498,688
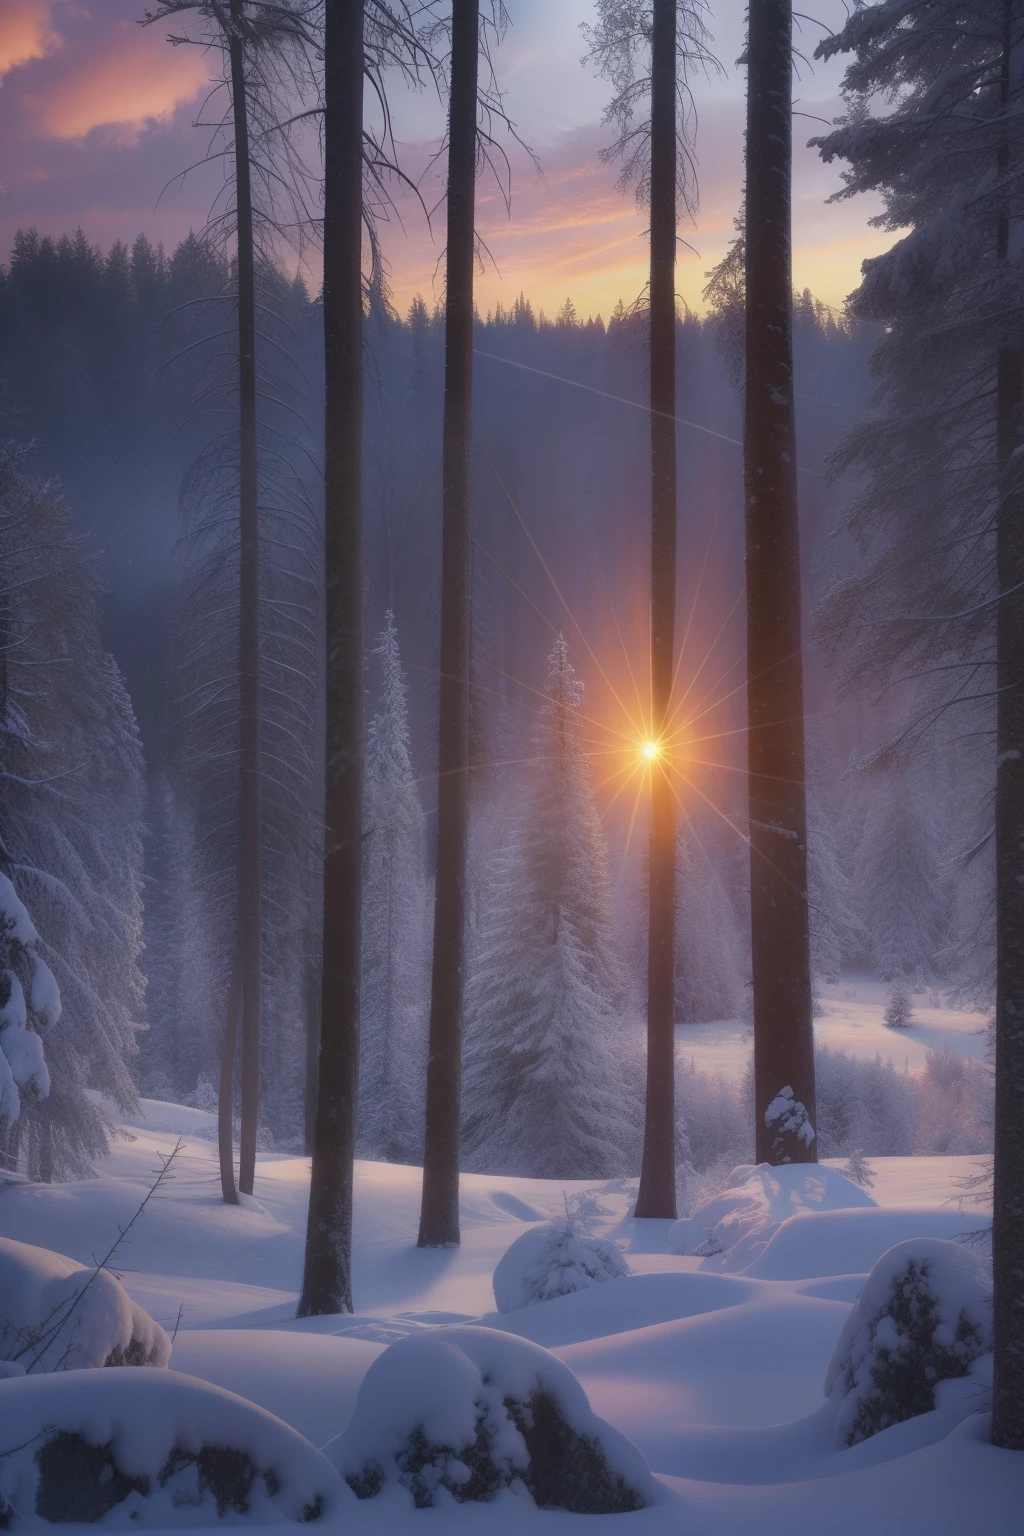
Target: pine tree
946,470
545,1095
392,1056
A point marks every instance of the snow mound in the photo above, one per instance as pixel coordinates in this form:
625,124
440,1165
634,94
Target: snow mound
554,1260
460,1414
732,1229
162,1449
59,1315
815,1245
924,1315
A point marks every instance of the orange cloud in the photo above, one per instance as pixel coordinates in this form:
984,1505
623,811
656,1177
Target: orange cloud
135,78
25,33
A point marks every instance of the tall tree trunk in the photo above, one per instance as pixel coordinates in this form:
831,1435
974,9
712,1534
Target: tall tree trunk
327,1275
311,998
439,1211
657,1193
783,1033
1008,1192
249,813
225,1097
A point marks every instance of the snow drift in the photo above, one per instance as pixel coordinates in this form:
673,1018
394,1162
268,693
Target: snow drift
162,1449
731,1230
924,1316
462,1413
57,1315
552,1260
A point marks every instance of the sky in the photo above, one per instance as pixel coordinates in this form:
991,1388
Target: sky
98,121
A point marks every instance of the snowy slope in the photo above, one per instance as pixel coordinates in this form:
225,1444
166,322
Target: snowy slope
717,1377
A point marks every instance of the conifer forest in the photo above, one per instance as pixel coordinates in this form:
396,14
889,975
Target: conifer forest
512,765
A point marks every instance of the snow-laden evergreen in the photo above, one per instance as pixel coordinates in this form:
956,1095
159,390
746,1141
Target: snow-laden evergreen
30,1006
923,1316
897,1010
71,813
547,1092
394,973
897,881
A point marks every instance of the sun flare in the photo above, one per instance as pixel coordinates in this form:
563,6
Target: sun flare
649,750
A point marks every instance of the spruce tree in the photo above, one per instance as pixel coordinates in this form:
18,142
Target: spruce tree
544,1077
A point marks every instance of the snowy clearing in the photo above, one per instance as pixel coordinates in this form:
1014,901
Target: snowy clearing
850,1016
718,1378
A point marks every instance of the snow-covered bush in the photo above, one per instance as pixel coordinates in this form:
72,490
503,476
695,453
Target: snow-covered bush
59,1315
463,1413
730,1230
159,1448
924,1315
554,1260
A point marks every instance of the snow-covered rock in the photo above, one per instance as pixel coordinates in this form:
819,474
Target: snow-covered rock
923,1316
732,1229
58,1315
554,1260
462,1413
159,1448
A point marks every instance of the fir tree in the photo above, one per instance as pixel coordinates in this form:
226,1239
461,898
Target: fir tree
897,1010
394,915
545,1094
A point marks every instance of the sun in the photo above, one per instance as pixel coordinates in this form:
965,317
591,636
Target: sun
649,750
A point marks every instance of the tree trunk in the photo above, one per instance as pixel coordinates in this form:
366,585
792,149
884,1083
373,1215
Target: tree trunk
249,816
439,1211
657,1193
311,1008
1008,1191
225,1097
327,1275
783,1034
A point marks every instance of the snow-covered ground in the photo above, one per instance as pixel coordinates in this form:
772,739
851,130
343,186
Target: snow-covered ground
707,1372
850,1017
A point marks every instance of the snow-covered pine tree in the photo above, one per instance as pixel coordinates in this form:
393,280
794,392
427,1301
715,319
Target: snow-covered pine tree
896,882
71,812
394,973
897,1010
708,957
546,1091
